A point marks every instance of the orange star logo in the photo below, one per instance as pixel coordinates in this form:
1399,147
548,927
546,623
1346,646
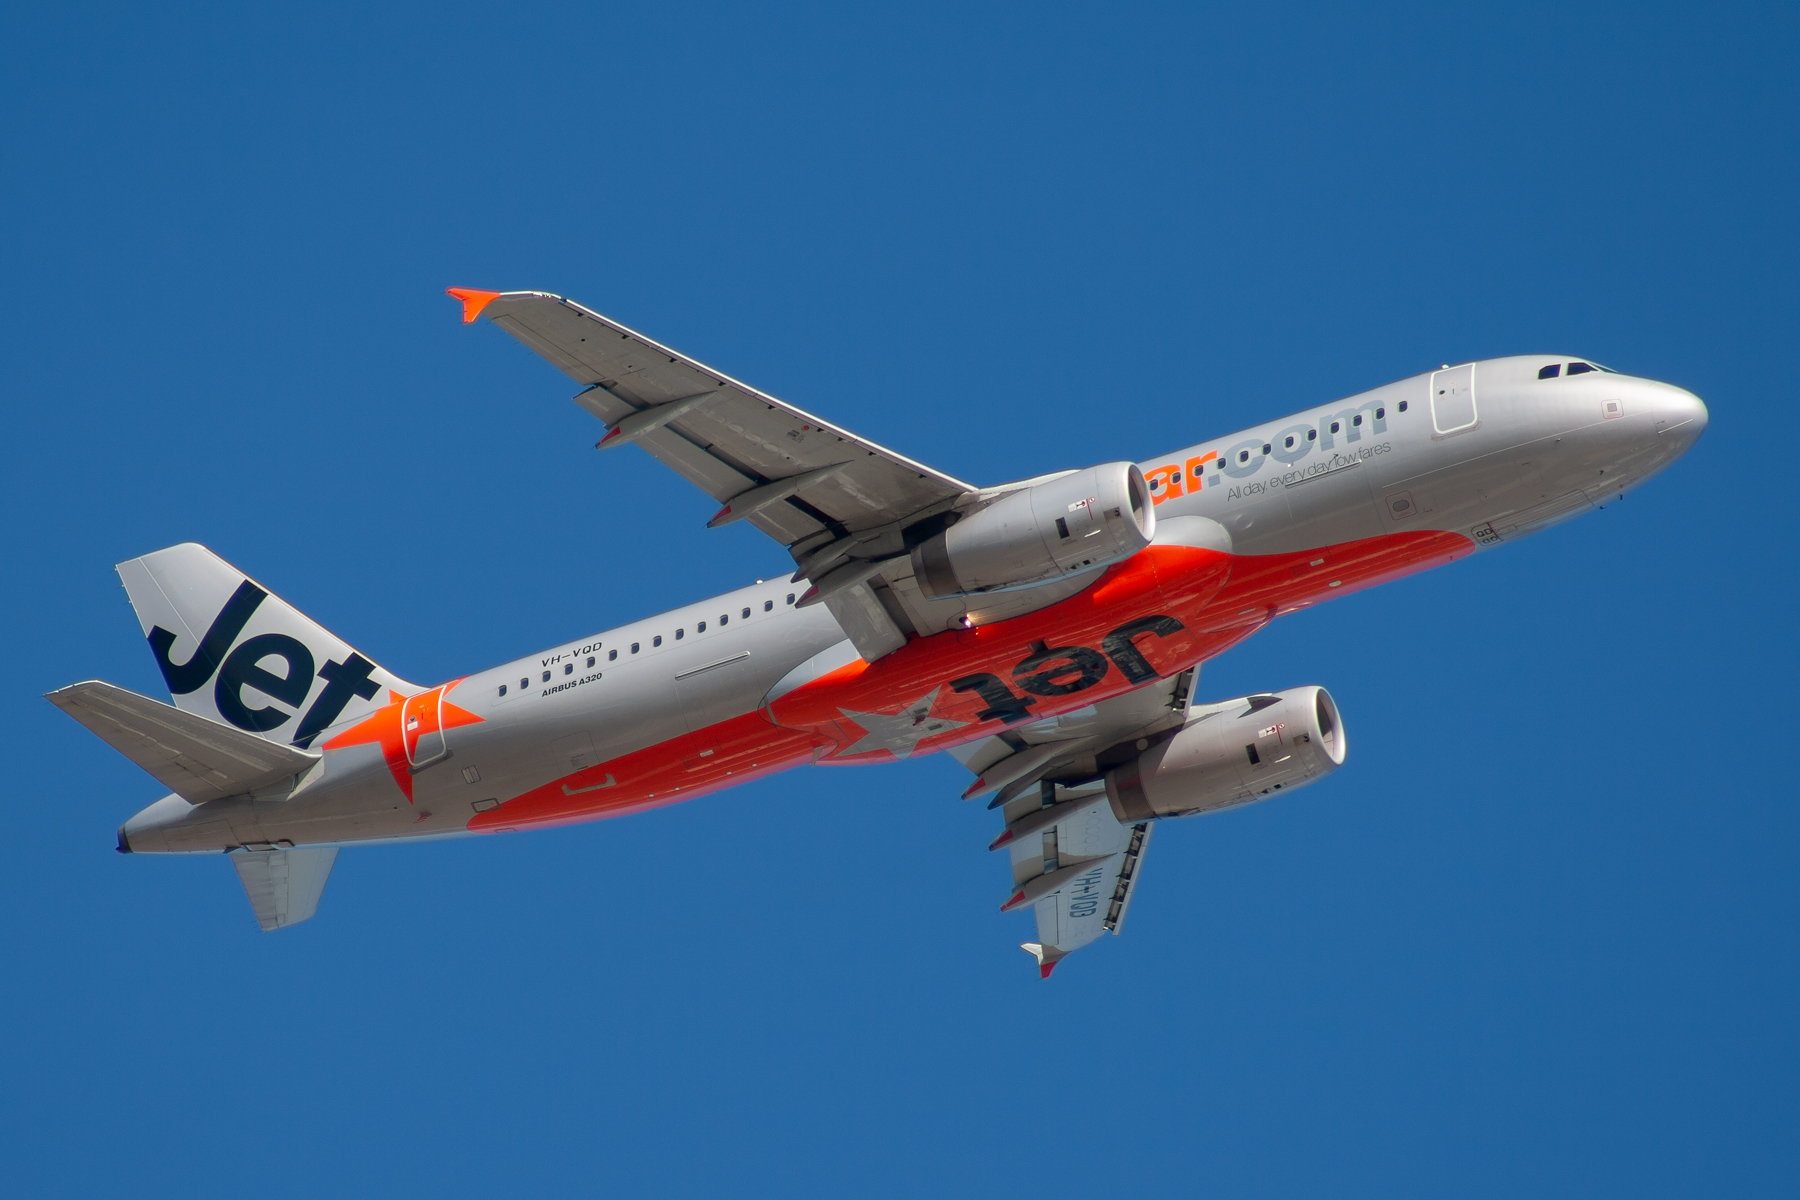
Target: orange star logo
410,731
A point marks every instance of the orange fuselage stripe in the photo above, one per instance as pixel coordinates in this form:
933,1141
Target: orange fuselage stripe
1217,599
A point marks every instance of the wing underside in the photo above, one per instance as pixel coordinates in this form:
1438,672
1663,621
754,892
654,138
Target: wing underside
1073,863
733,438
847,509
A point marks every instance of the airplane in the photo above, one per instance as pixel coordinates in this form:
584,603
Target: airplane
1047,632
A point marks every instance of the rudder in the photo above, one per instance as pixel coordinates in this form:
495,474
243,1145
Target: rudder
232,651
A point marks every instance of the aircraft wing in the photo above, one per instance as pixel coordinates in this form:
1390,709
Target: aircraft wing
1072,862
845,508
796,477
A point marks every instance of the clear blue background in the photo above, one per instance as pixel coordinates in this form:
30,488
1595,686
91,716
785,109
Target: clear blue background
1537,938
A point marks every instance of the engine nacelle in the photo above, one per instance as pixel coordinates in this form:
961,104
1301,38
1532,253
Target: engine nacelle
1063,526
1235,752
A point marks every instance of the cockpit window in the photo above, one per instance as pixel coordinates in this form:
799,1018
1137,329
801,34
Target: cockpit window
1579,368
1550,372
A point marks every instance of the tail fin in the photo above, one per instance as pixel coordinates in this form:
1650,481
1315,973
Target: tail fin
233,652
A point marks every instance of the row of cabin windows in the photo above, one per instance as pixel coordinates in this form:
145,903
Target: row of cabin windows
1269,447
613,655
1575,368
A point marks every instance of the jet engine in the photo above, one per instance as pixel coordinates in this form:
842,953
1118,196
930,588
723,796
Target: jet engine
1231,753
1063,526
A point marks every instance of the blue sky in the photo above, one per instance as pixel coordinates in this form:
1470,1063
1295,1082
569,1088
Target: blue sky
1539,935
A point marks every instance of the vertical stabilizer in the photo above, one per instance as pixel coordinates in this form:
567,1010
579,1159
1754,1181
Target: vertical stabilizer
233,652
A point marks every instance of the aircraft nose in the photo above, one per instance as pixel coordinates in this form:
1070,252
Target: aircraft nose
1680,415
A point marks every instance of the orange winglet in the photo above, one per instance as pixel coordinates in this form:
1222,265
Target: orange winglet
473,301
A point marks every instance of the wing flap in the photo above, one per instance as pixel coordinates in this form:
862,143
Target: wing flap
196,758
859,612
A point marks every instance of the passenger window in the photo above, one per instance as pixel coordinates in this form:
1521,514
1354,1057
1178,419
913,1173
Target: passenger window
700,628
1267,447
590,660
546,677
612,655
1550,372
634,647
523,684
1334,427
1290,443
746,614
1381,414
1156,483
503,689
768,606
1312,435
1403,406
568,668
1579,368
656,641
1357,420
790,597
724,618
1243,456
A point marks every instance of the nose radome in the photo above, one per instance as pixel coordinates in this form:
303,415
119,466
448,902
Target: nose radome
1696,408
1680,413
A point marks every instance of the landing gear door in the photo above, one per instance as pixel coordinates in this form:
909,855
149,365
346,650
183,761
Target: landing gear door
1453,400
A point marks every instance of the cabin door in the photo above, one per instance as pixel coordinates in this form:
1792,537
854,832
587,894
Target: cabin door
422,728
1453,400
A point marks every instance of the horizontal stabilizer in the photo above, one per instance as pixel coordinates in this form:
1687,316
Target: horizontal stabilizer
284,885
196,758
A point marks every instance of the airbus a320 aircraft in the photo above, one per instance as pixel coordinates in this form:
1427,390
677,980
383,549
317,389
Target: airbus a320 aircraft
1046,632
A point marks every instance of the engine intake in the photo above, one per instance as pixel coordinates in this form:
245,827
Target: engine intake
1063,526
1235,752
